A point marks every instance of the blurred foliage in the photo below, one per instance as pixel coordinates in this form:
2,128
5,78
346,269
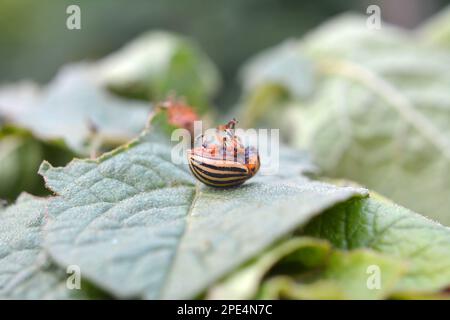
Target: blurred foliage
73,108
375,110
228,31
436,31
20,157
158,63
309,268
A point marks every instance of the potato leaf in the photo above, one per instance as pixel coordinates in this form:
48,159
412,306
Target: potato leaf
308,268
395,231
408,252
344,275
245,282
139,226
25,270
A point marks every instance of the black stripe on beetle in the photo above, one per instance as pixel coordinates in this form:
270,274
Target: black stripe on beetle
218,175
213,182
220,165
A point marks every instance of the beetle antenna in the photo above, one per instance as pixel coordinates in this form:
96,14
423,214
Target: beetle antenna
231,124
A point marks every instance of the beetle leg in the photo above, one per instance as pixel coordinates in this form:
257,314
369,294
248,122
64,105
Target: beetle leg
224,148
246,160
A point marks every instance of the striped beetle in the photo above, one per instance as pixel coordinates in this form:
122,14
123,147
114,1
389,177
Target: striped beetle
222,160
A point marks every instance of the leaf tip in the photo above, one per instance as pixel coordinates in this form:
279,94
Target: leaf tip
44,167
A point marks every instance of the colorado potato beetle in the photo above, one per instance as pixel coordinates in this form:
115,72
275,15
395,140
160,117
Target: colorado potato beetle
222,160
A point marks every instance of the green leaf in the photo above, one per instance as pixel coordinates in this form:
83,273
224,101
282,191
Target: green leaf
307,268
392,230
139,226
360,41
378,114
244,283
345,275
25,270
74,109
159,63
271,77
284,66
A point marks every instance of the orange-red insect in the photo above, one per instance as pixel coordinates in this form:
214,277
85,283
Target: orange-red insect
222,160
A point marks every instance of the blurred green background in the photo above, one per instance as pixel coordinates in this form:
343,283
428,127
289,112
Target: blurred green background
35,42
